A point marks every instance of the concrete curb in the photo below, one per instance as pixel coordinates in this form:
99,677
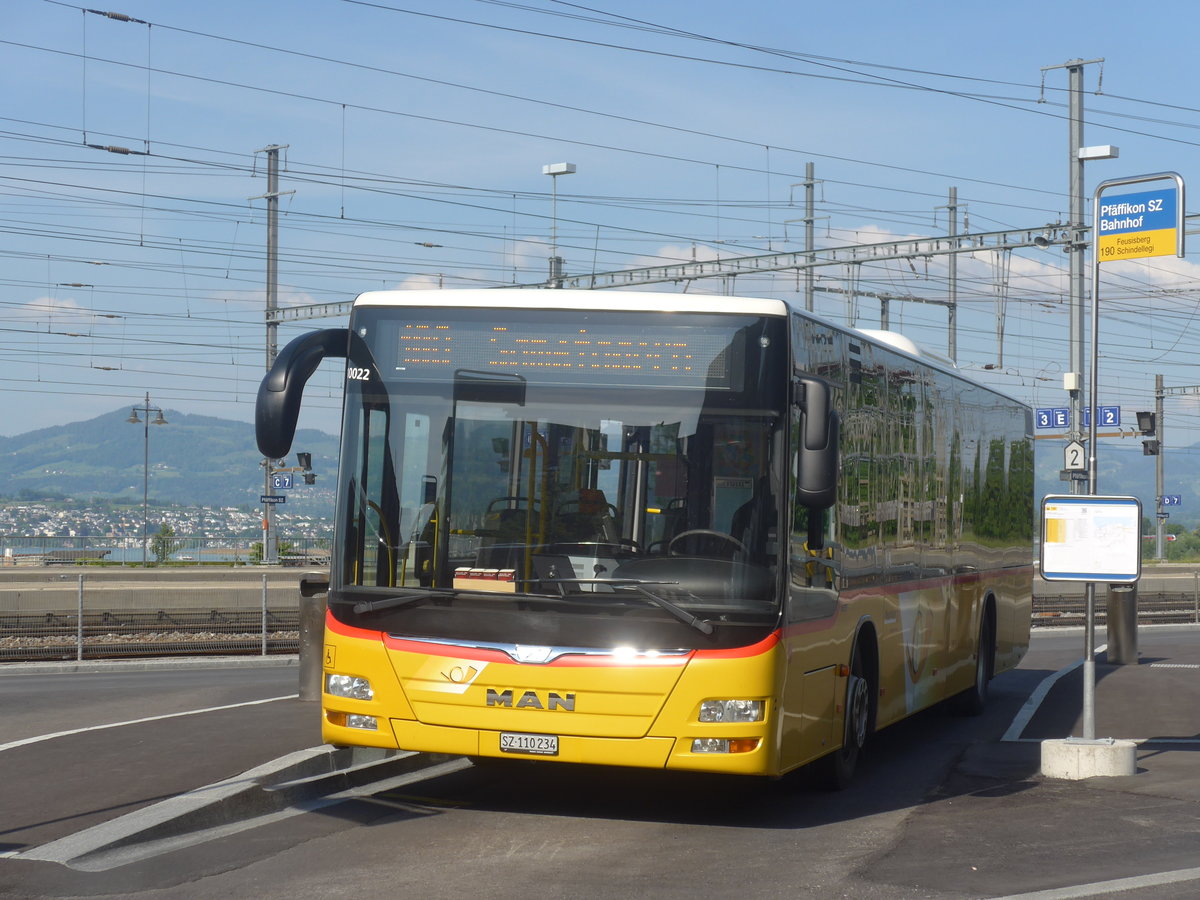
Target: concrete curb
1074,759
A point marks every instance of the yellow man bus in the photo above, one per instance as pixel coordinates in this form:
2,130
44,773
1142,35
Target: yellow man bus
696,533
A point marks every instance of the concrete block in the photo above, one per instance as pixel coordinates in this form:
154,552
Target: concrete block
1076,758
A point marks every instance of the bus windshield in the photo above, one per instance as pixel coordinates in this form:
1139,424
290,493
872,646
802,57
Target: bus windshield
563,478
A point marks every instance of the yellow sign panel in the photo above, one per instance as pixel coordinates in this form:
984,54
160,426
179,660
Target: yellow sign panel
1137,244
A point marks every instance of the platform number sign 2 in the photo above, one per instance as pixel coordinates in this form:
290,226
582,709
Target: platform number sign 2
1074,457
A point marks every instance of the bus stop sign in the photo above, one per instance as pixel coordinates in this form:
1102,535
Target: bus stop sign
1141,224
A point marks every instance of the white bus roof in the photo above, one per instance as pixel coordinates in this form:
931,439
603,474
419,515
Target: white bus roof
538,298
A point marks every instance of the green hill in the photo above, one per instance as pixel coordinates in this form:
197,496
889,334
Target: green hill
194,460
205,461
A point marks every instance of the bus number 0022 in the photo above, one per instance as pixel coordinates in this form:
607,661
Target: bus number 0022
356,373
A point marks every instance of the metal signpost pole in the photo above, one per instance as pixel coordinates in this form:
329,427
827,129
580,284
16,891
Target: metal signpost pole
1159,518
1089,589
1090,539
1131,226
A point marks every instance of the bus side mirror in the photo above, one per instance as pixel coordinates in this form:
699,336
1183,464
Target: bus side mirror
278,406
817,450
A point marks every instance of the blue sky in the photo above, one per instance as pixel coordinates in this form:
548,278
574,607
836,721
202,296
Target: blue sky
413,124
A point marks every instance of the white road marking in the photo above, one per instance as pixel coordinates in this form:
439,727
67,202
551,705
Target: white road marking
1115,886
191,712
1030,708
1174,665
107,846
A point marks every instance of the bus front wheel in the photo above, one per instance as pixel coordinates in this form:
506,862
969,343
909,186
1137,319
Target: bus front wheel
837,769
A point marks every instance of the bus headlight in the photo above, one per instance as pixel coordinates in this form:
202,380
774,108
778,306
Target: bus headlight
731,711
350,686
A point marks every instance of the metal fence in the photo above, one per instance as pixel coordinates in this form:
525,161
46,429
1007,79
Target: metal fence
185,550
1159,608
81,616
79,611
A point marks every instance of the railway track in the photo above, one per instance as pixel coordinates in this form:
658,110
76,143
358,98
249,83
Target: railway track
125,634
1153,609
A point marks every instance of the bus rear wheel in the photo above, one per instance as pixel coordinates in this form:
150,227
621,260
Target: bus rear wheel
972,701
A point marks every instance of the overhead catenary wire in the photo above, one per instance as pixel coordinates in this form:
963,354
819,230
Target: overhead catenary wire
323,266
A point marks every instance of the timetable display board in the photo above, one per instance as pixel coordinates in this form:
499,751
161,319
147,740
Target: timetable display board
1087,537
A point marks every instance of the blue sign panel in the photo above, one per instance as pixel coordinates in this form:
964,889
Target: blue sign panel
281,481
1172,499
1109,415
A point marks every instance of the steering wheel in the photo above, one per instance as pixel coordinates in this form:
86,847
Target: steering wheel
706,534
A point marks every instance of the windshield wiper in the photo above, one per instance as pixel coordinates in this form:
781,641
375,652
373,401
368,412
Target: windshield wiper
409,598
420,595
640,587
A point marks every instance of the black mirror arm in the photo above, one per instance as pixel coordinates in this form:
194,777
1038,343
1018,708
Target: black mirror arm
279,394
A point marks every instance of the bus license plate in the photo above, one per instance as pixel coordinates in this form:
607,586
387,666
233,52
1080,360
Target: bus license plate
537,744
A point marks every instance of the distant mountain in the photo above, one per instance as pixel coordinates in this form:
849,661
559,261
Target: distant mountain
194,460
206,461
1122,469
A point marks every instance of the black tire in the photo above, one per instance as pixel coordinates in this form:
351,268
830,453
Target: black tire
972,701
836,770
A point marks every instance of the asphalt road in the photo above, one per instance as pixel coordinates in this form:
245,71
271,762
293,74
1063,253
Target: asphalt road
943,807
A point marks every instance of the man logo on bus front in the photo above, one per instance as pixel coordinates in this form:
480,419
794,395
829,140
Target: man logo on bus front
530,700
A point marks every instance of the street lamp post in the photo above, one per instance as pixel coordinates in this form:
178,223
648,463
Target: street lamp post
134,420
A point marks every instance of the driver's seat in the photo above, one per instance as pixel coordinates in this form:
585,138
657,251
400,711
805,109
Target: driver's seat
585,519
